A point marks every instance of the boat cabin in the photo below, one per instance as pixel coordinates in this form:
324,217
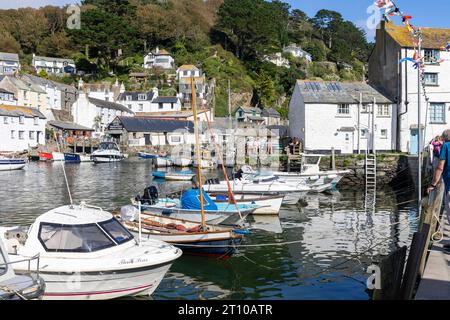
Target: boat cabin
108,146
71,229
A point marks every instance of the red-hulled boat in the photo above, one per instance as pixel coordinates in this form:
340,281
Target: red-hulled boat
45,156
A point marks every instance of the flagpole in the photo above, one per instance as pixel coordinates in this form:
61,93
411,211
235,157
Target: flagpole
419,120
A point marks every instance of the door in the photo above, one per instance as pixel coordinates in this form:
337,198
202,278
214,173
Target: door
147,139
347,143
414,141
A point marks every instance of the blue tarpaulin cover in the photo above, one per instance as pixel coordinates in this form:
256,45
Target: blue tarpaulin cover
191,200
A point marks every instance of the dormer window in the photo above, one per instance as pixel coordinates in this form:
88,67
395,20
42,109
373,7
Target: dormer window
142,97
129,98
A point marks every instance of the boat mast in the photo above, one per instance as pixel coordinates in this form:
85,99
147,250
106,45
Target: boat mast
197,146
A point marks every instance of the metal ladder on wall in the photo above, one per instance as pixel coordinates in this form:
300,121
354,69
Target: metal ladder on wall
371,180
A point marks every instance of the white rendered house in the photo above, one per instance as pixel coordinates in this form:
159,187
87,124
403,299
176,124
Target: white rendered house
159,59
326,115
21,128
9,63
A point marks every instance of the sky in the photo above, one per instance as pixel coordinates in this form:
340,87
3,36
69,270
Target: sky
431,13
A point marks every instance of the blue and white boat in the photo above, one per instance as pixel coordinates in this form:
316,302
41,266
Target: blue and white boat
145,155
76,158
188,207
174,176
11,164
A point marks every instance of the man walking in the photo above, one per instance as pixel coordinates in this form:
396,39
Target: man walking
443,171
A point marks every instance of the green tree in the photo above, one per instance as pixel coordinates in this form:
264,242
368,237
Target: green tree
265,89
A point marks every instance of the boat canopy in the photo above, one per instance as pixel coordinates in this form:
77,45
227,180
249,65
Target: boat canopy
190,200
108,146
75,229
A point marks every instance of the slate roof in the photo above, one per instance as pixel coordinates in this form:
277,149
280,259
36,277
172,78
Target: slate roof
68,126
270,113
140,124
16,111
283,131
5,91
6,56
135,94
250,110
433,38
109,105
162,99
330,92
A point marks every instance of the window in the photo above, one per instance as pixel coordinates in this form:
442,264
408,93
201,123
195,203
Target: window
5,120
437,113
364,133
383,133
364,108
160,106
431,79
142,97
73,238
12,119
13,134
431,56
31,135
141,107
21,135
383,110
129,106
36,121
185,73
116,231
21,119
175,139
344,109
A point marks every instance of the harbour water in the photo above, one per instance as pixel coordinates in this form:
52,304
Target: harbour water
318,249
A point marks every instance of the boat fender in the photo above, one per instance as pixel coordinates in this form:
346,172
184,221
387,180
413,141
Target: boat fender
241,231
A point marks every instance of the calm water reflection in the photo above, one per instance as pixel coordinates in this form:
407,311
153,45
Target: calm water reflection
328,233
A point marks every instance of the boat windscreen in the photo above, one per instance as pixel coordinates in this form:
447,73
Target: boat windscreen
73,238
116,231
107,146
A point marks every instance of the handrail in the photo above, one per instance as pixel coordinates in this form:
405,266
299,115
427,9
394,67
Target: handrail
35,257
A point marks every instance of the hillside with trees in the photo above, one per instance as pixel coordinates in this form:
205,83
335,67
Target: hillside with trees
227,39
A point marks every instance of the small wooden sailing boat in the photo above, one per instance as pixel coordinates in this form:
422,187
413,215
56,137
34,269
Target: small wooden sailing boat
174,176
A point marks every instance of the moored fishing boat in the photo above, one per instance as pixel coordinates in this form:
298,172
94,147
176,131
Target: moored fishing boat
182,162
189,236
174,176
11,164
85,253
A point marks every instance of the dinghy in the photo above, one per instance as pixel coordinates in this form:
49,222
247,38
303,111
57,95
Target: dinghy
86,254
174,176
11,164
189,236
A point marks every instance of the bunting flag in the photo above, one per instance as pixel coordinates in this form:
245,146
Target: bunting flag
415,62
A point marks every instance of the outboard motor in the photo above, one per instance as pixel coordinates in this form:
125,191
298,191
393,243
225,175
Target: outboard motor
238,174
150,196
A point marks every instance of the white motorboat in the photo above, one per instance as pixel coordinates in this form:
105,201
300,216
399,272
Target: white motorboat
58,156
205,164
107,152
18,286
85,253
162,162
11,164
265,186
268,205
182,162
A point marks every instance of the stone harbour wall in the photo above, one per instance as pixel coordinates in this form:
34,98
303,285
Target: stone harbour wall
392,169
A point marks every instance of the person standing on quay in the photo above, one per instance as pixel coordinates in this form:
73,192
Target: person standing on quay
443,171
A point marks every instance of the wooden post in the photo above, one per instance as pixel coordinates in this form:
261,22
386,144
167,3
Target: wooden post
333,159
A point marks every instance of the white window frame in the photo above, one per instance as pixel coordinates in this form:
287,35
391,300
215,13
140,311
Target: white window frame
428,76
13,134
36,121
343,109
21,135
5,120
21,119
142,97
384,136
431,56
433,118
31,135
